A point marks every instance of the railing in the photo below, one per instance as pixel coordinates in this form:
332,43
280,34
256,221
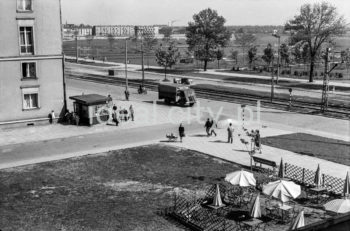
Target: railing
306,177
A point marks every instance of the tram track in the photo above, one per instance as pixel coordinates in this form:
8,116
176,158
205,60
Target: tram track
334,111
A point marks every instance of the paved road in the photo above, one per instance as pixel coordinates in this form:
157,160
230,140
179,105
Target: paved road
21,154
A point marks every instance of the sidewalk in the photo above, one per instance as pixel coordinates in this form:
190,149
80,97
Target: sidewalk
238,152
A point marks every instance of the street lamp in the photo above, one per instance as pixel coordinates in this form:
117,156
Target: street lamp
275,34
126,69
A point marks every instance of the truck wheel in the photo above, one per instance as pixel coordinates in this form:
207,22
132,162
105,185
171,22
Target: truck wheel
167,101
191,104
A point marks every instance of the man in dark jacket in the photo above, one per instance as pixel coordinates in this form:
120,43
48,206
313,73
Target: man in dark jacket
207,126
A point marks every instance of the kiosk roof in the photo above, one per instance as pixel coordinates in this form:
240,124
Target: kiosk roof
90,99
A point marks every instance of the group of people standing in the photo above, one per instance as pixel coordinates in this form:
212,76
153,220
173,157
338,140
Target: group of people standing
122,114
209,129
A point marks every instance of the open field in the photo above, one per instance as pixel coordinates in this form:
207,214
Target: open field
324,148
101,49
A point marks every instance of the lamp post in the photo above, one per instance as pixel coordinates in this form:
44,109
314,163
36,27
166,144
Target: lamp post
126,70
275,34
272,82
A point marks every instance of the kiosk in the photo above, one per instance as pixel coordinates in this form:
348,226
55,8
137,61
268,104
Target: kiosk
89,107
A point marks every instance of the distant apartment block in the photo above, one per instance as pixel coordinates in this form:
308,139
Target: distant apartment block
71,30
124,30
31,73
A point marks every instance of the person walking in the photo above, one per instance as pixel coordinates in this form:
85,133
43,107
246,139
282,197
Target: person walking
109,100
115,116
126,92
131,110
181,132
257,141
212,131
207,127
230,133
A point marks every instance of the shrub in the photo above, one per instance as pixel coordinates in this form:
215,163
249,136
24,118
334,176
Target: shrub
288,72
331,75
315,73
321,74
296,73
340,75
305,73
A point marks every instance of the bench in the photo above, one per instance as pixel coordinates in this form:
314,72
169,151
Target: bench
262,161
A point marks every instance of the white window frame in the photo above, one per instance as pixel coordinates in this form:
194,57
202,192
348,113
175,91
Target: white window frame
30,77
26,42
30,91
19,9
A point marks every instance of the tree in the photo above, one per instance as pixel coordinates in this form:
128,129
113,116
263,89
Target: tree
268,54
206,35
219,55
166,31
234,55
245,40
167,56
316,24
284,52
345,58
252,54
111,41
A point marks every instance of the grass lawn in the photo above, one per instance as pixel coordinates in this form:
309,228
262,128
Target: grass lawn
324,148
119,190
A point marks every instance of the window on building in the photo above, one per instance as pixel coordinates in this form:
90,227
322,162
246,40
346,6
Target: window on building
26,40
30,101
29,70
30,98
24,5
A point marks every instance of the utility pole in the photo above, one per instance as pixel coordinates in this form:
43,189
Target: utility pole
275,34
76,48
126,64
142,57
272,83
325,88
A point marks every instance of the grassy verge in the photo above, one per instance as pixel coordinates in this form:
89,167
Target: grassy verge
324,148
282,83
262,94
120,190
91,63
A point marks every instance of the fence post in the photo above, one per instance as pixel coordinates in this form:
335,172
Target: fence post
285,169
323,180
303,179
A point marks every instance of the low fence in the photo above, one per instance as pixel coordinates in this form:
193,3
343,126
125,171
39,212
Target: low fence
306,177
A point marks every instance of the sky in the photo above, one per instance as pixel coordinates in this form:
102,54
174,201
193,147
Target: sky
150,12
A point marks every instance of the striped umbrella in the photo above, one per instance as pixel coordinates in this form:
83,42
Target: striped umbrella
281,170
217,202
255,211
298,222
346,189
338,206
318,177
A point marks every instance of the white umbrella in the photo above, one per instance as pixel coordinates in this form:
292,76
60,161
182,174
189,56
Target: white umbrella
217,202
241,178
338,206
298,222
282,190
281,170
318,177
255,211
346,190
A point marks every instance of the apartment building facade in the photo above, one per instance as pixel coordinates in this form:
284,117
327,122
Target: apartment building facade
31,70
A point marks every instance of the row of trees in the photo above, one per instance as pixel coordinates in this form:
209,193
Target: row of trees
312,29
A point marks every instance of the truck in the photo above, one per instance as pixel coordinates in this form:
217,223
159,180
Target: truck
177,94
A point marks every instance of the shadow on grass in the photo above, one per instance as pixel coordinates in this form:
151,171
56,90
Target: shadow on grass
199,135
219,141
